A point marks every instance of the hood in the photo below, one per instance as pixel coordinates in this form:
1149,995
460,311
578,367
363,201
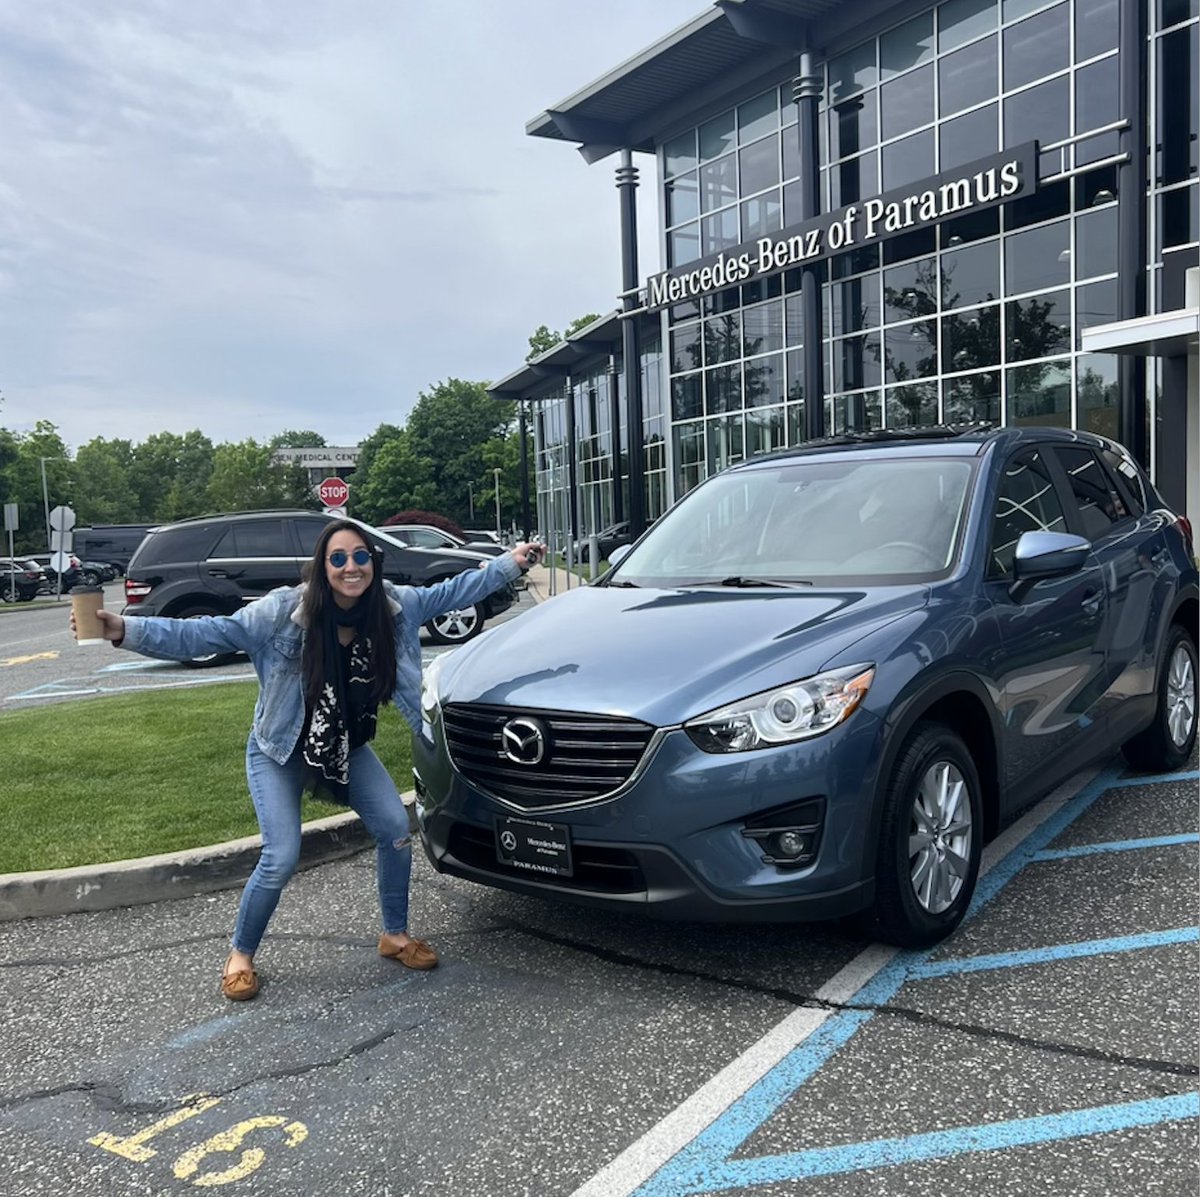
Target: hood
665,655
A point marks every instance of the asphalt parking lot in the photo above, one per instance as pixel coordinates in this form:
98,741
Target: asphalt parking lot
1047,1048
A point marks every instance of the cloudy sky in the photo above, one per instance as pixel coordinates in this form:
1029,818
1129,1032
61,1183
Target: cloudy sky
243,216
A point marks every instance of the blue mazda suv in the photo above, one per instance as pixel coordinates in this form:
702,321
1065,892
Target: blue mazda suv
820,682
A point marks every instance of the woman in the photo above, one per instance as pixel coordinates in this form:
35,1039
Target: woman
327,654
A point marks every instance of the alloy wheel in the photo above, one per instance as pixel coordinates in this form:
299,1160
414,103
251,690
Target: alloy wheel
1181,695
939,841
459,624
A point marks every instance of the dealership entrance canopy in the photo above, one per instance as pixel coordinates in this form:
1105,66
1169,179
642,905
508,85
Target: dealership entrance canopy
883,214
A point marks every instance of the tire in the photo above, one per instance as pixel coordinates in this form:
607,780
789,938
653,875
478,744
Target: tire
1168,742
924,881
457,626
216,659
9,592
90,578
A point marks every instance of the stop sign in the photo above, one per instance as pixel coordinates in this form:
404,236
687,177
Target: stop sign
333,492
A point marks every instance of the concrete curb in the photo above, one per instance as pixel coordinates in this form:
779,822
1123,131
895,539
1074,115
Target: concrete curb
171,875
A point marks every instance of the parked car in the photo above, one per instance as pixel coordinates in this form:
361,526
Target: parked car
425,536
20,580
477,535
114,544
71,577
96,573
820,682
608,539
214,565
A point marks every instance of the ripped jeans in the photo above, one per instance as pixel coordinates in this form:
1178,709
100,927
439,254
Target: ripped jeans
275,791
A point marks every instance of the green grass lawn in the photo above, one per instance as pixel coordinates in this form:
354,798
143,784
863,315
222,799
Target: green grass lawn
134,775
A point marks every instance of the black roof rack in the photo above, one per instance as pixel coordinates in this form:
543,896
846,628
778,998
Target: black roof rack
927,432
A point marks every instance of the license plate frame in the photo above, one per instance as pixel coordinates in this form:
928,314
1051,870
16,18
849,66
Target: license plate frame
534,846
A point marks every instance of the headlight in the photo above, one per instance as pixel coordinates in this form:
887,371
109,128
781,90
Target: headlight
797,711
429,688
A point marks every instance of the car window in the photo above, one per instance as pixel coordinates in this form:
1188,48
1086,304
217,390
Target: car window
1128,479
1027,502
188,542
308,532
255,538
425,539
1096,498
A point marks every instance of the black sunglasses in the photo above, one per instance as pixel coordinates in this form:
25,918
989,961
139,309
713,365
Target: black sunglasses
339,557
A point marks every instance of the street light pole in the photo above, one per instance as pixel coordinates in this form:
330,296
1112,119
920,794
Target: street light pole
471,499
46,499
496,474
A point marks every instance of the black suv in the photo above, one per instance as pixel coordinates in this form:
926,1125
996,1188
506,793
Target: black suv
215,564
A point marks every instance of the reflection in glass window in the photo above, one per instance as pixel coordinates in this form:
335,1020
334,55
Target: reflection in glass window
723,389
1040,394
763,381
906,46
683,199
908,160
758,116
971,340
683,245
762,327
854,305
853,180
1038,326
689,456
1027,502
1037,47
716,136
761,215
854,125
1096,242
1097,95
968,77
1096,304
910,290
910,351
723,338
1037,258
970,274
1099,32
911,406
718,183
726,443
685,347
1097,393
907,102
1099,505
679,154
1179,104
856,363
852,72
719,231
972,398
764,429
759,165
961,20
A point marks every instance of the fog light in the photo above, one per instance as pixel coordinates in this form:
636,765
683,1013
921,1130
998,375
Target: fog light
791,843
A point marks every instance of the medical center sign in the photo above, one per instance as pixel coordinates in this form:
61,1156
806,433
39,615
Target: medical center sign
972,188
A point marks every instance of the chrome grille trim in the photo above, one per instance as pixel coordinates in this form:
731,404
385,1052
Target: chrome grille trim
472,737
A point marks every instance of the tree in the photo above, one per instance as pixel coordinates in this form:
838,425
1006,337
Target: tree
395,478
243,479
544,338
41,447
103,494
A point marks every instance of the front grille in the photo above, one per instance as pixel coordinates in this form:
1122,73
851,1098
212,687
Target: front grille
594,868
585,757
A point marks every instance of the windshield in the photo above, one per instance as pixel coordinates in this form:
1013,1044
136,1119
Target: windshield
817,521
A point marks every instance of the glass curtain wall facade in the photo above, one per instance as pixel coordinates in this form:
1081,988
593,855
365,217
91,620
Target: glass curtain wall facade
977,319
590,393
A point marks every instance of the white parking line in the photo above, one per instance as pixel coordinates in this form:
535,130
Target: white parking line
642,1159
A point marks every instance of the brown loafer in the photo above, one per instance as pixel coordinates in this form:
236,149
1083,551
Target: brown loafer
414,954
240,986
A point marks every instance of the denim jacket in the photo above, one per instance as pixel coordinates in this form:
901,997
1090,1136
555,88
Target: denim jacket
271,632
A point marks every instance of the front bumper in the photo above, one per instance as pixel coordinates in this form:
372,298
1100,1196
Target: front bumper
672,843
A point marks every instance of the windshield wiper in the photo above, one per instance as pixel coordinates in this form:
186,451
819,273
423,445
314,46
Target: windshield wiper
625,585
743,581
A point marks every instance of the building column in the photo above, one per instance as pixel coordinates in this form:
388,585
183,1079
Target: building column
572,467
614,419
1132,222
524,451
806,92
627,177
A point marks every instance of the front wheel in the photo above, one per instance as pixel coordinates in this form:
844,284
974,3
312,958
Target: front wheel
1168,741
9,592
457,626
931,839
213,659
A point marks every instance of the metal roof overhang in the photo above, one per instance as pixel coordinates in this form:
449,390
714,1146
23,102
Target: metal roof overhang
728,45
1169,334
542,377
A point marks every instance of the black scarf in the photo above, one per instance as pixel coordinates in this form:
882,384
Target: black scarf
344,714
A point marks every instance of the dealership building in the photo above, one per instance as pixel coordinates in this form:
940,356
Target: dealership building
882,215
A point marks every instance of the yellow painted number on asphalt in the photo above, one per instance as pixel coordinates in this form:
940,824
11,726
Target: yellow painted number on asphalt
133,1147
294,1134
50,656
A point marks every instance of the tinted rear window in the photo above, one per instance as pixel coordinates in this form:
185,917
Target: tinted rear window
174,545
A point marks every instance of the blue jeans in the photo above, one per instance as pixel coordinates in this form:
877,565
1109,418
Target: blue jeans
275,790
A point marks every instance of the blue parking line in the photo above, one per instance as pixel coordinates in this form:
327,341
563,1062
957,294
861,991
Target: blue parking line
996,1136
705,1165
1063,951
1154,841
1155,779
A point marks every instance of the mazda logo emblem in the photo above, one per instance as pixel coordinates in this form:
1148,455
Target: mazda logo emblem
523,741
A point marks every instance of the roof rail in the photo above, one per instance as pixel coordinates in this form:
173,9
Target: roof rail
927,432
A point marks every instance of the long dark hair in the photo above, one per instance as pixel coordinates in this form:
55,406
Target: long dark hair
321,612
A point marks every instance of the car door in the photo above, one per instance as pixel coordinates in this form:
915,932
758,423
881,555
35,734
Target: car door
256,556
1051,665
1122,544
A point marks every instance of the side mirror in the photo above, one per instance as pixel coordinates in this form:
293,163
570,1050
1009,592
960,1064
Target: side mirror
618,554
1042,555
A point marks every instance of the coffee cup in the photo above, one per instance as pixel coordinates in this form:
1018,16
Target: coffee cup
85,602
